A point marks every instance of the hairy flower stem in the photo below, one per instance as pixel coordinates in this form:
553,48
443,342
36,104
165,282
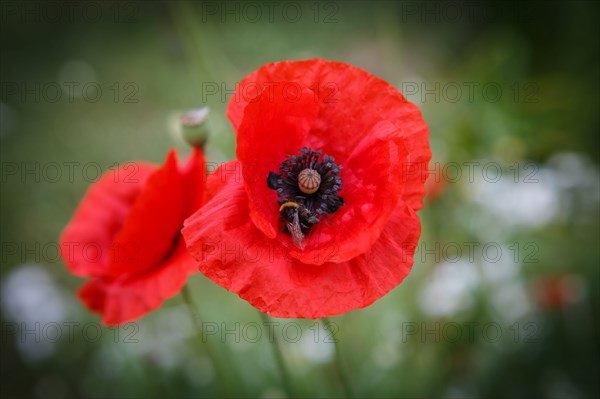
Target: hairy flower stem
283,371
222,383
338,361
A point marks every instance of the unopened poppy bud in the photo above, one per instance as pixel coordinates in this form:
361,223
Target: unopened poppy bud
194,126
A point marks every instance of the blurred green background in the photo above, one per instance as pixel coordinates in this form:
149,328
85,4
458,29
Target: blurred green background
503,299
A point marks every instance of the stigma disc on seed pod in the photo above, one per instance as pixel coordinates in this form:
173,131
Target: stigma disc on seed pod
309,181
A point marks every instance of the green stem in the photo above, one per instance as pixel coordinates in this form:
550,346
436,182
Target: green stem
217,365
338,362
283,371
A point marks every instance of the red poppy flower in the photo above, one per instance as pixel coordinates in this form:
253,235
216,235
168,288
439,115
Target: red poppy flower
435,187
556,292
125,234
317,216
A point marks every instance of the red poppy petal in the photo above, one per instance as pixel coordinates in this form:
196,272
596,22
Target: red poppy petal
335,288
236,255
153,223
124,300
266,77
372,184
208,230
416,137
194,174
86,241
351,101
275,125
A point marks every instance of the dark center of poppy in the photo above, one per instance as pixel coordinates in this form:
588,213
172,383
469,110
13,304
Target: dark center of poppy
307,185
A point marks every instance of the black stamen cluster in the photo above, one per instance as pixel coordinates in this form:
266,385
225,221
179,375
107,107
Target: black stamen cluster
310,206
